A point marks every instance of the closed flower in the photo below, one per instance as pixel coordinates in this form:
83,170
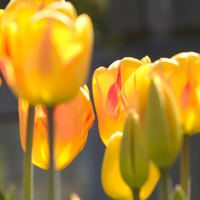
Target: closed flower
163,133
53,60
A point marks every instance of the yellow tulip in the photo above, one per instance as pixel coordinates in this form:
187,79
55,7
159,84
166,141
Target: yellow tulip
72,120
41,3
112,181
1,13
110,90
162,128
53,60
181,73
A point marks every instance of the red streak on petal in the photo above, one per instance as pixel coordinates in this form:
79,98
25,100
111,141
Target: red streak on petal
41,7
185,96
88,116
7,50
44,123
119,83
45,110
112,100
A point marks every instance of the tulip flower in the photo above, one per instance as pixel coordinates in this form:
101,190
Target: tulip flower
40,3
54,60
111,103
112,181
181,73
72,120
162,129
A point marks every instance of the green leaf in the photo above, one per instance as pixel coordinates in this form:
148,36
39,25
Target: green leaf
1,195
179,193
10,193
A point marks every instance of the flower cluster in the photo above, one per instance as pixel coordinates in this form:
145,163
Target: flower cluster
45,55
144,110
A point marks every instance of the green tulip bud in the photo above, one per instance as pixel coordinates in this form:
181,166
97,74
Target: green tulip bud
162,129
134,164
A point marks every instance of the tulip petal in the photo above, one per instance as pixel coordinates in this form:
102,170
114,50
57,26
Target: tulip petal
123,68
181,73
106,94
112,181
70,136
65,7
135,89
152,180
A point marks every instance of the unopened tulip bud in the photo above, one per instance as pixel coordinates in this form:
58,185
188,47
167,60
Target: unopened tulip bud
133,162
162,129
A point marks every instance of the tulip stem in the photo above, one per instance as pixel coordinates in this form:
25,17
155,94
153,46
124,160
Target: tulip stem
185,165
51,170
165,184
136,193
28,166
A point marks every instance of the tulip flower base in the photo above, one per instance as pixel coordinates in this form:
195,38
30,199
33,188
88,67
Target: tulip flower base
165,184
136,193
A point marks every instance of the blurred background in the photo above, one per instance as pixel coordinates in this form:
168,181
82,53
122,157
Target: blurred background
158,28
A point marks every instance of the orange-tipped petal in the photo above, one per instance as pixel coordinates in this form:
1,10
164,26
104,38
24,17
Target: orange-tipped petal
110,105
106,94
70,136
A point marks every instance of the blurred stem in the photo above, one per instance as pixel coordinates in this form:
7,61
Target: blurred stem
136,193
165,184
185,165
51,171
28,167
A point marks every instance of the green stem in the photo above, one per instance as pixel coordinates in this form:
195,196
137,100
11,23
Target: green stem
28,167
51,170
136,193
185,166
165,184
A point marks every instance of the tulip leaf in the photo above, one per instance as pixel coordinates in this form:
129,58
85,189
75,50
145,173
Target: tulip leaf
179,193
1,195
10,193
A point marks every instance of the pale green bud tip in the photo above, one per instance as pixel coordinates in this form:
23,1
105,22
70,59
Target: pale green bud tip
178,193
133,163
